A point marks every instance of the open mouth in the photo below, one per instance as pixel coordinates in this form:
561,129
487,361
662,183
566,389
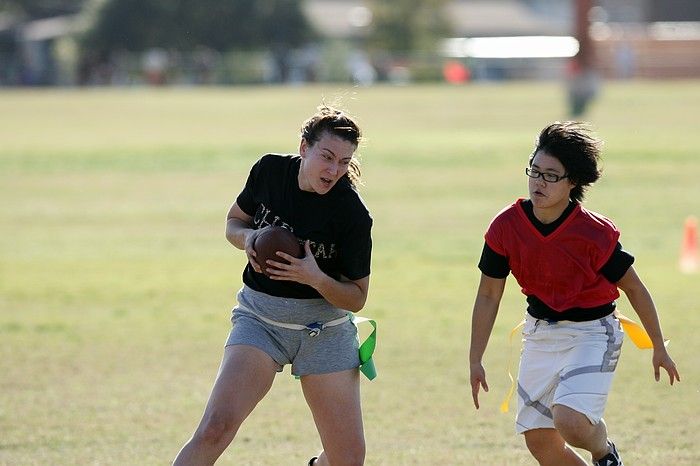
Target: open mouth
326,181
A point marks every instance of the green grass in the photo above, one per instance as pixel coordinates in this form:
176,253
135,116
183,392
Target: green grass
116,281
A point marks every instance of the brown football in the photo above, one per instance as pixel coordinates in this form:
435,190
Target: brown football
272,239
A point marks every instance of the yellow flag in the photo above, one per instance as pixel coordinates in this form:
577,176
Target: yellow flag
636,332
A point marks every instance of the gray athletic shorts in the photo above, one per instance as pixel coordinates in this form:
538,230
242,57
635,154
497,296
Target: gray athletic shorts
334,349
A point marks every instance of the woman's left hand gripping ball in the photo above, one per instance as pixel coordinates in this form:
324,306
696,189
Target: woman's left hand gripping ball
304,270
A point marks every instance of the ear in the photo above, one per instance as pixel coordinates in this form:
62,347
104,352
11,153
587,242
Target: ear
303,146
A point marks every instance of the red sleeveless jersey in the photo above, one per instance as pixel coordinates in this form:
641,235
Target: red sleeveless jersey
562,268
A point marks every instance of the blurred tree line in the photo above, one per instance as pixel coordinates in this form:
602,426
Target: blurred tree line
133,27
37,9
136,25
403,26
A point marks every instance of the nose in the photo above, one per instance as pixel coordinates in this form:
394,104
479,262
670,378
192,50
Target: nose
333,168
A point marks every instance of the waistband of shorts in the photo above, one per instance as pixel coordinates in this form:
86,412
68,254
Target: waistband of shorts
281,300
531,318
572,315
292,310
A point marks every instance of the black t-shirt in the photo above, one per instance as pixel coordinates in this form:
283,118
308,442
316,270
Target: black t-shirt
337,223
496,265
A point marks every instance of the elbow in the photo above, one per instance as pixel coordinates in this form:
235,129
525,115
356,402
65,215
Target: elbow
228,231
358,306
230,237
355,300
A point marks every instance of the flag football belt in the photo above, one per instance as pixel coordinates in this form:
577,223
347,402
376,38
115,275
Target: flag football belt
314,329
636,332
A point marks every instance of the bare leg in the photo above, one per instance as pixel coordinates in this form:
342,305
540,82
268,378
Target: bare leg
245,376
334,400
550,449
578,431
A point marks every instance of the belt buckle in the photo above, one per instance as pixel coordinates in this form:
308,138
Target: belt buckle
314,328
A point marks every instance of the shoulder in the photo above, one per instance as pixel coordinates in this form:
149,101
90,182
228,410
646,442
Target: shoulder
350,207
508,214
598,230
355,203
275,166
596,220
277,160
504,222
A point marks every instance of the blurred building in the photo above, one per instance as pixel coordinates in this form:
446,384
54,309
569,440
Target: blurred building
32,53
648,38
632,38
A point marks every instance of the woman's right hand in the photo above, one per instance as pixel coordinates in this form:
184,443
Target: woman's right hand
240,233
249,251
477,378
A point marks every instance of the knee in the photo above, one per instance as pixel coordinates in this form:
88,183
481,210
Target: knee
540,445
216,429
573,426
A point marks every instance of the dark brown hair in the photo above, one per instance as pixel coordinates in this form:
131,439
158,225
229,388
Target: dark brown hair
338,123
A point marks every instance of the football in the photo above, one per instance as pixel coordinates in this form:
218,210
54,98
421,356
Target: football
272,239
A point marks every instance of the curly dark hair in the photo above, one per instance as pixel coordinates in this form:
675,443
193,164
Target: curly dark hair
572,143
340,124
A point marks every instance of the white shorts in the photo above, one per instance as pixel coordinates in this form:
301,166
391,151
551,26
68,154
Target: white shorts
567,363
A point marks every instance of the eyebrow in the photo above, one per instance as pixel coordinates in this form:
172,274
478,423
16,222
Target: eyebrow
534,165
330,151
334,154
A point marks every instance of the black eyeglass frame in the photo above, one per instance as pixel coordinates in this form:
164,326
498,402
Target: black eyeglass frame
548,177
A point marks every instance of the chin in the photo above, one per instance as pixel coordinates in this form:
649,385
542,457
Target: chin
323,189
539,202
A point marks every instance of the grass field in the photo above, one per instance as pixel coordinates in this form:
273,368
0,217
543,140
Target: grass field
116,281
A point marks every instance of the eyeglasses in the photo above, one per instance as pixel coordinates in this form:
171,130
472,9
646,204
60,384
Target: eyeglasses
548,177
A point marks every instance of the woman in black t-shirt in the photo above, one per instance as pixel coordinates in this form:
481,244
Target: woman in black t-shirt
300,314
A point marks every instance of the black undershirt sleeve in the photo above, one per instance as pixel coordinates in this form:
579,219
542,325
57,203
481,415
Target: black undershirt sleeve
493,264
617,266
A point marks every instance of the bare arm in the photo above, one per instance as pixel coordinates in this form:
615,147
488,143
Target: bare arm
488,299
643,305
241,234
344,293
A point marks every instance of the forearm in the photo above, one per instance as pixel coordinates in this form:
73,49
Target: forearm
236,232
483,319
643,305
342,294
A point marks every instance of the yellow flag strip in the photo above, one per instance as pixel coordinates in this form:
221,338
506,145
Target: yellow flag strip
506,402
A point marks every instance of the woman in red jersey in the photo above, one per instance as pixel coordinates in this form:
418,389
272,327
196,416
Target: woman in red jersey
570,265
